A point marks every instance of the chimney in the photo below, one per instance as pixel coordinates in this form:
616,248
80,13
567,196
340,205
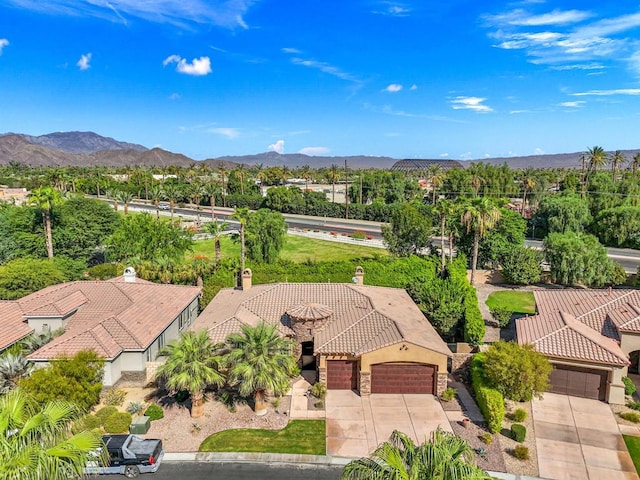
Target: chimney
246,279
129,275
358,279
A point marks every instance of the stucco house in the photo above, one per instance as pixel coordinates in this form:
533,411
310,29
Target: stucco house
125,320
592,338
370,339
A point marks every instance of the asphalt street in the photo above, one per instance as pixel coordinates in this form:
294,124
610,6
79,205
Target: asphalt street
236,471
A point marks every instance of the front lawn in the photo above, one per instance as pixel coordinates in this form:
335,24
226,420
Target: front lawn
633,445
299,436
516,302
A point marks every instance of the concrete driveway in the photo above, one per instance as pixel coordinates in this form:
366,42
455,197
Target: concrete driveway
357,425
579,439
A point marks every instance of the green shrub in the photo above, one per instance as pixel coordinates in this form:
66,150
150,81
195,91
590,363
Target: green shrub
105,412
518,432
154,412
630,417
448,394
135,408
634,405
487,438
104,271
90,422
521,452
319,404
117,422
115,397
502,315
359,235
629,386
520,415
473,323
490,400
319,390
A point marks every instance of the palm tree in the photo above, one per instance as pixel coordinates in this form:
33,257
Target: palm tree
305,172
156,194
617,160
196,192
241,215
241,173
192,364
35,441
12,369
479,216
210,190
45,198
222,171
260,360
444,457
125,198
444,208
334,176
635,164
528,183
216,229
597,158
435,175
171,192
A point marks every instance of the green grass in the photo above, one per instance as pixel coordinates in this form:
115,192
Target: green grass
299,436
633,445
517,302
296,249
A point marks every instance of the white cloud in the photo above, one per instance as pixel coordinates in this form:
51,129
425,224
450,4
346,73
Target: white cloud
413,87
579,66
605,93
574,104
393,9
291,50
175,96
466,156
393,88
470,103
199,66
277,147
83,63
222,13
538,151
227,132
314,151
516,112
3,43
443,155
325,68
556,17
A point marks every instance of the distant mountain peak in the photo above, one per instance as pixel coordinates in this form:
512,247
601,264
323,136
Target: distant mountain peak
79,142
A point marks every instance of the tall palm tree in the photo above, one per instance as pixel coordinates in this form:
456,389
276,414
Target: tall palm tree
241,172
616,160
216,229
444,457
528,183
435,175
35,441
305,172
125,198
597,158
45,198
260,360
156,194
479,216
196,191
171,192
222,171
635,164
444,208
241,215
192,364
334,176
210,190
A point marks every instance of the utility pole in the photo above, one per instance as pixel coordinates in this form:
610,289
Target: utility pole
346,190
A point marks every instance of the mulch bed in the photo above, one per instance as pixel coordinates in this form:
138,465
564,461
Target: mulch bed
492,458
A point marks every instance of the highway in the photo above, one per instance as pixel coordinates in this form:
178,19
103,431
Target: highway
628,258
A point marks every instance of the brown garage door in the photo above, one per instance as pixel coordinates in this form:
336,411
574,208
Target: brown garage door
402,378
579,382
342,375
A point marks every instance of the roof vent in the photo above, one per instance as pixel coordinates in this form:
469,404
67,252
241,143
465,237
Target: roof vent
129,275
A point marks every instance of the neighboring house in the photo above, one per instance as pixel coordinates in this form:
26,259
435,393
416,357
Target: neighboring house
124,320
373,339
592,338
16,196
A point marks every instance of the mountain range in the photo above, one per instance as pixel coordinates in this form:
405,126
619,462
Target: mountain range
88,149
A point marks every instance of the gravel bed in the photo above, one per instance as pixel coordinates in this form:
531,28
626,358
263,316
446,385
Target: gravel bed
515,466
492,457
617,409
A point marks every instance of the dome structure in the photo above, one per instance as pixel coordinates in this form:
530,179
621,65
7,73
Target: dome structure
309,312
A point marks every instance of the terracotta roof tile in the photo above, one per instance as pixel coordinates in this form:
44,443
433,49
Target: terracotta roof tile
13,326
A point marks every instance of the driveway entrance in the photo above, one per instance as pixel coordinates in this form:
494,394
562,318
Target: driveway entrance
357,425
579,439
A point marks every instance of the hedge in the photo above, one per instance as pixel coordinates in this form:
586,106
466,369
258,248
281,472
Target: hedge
518,432
629,386
473,321
154,412
490,401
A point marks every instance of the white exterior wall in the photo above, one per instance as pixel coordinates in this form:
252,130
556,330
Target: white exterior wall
41,324
112,372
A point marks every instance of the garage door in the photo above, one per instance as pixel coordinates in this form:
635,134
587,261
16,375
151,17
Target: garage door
579,382
342,375
402,378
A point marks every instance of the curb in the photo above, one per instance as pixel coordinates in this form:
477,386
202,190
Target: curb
269,458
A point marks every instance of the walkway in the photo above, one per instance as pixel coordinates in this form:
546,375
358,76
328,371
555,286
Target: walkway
299,400
579,439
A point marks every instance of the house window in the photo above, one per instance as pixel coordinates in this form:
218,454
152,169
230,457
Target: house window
161,341
149,354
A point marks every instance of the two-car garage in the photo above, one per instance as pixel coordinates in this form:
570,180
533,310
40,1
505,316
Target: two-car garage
579,382
385,377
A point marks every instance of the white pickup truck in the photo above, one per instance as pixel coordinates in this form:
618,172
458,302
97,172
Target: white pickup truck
129,455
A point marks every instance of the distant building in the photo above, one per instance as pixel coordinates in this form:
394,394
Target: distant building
420,165
17,196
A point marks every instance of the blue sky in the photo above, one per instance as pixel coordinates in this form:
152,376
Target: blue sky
452,79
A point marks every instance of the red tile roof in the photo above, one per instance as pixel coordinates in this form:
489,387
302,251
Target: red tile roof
111,316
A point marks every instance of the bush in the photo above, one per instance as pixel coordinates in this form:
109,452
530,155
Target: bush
89,422
117,422
135,408
629,386
115,397
319,390
105,412
502,315
473,322
448,394
634,405
520,415
521,452
319,404
154,412
490,400
104,271
359,235
518,432
487,438
521,265
631,417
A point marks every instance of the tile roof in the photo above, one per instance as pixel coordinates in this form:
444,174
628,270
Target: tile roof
582,324
110,316
364,318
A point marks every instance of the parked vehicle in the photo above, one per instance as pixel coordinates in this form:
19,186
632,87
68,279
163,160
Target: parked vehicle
129,455
164,206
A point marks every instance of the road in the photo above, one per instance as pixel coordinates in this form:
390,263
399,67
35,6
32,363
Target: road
628,258
235,471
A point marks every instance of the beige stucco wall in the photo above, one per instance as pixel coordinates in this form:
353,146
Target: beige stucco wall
403,352
52,323
629,343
